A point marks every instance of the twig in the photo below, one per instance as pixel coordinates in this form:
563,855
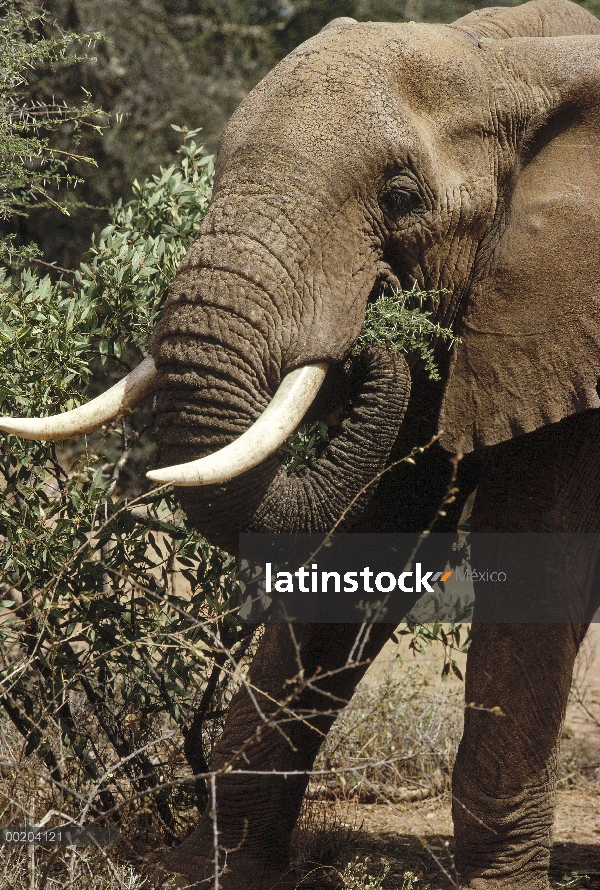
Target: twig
213,799
34,259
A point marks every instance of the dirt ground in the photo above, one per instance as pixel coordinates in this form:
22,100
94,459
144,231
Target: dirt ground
418,836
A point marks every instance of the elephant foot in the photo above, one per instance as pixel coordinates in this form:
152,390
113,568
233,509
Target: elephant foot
191,865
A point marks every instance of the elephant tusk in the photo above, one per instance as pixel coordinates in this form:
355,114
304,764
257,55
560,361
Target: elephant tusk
290,403
114,403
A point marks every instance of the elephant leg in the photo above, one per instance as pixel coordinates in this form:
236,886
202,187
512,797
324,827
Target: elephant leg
256,814
504,781
505,773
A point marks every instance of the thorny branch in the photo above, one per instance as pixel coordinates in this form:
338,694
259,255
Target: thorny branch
134,762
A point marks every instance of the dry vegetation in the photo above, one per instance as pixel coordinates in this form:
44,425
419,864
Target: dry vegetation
377,812
397,740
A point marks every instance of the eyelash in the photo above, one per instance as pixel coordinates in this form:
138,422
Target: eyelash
400,201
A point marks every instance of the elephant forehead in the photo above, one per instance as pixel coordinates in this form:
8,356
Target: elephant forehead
428,63
366,84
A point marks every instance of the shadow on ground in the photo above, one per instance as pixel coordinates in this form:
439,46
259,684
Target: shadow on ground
573,866
581,859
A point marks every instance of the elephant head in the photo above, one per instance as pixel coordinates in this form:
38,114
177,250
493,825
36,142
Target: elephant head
461,157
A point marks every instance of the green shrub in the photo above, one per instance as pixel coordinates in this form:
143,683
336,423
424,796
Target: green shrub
112,609
31,167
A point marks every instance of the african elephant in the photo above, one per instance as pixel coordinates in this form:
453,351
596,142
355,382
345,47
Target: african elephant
463,157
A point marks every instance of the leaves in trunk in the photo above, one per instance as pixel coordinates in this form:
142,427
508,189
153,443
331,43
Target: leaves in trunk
403,322
304,447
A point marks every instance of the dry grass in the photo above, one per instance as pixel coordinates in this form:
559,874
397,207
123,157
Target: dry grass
324,834
28,798
398,736
81,870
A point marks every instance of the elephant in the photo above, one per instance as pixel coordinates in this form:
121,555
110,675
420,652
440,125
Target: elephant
463,158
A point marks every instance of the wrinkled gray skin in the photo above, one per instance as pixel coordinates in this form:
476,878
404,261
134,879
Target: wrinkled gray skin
463,157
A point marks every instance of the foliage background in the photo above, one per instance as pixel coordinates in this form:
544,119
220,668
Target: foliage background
113,614
186,62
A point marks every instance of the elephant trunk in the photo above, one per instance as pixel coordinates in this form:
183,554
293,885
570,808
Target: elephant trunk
339,485
209,393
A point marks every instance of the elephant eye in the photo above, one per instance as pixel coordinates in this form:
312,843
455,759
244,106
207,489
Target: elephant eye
400,196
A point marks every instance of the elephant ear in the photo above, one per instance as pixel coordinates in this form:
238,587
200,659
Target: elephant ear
530,334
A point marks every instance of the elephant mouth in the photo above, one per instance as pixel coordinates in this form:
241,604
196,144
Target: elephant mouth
316,391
